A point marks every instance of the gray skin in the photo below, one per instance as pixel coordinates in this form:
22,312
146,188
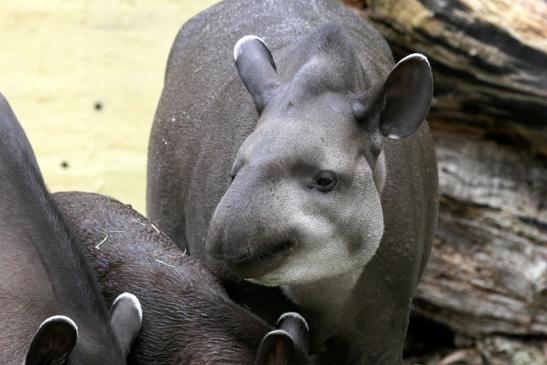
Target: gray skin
328,106
51,308
189,318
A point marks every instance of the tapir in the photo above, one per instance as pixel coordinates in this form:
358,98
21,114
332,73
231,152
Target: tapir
300,161
51,308
189,317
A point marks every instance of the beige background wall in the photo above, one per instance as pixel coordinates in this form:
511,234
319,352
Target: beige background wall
84,78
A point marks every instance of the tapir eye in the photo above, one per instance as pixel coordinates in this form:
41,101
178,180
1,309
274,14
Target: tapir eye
325,181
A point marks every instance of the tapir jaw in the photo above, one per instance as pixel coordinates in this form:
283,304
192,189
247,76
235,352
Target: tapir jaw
249,262
258,265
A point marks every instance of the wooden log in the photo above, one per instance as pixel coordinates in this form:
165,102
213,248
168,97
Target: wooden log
487,274
494,350
488,269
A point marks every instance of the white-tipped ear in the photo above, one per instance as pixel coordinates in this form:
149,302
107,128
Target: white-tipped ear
52,344
402,101
257,69
136,304
277,347
126,320
243,40
415,56
292,317
60,319
297,327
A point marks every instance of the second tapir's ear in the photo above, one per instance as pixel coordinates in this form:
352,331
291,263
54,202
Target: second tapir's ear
257,69
286,345
126,320
53,342
276,348
297,327
402,101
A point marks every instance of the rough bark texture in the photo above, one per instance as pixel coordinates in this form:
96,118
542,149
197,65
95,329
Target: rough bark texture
488,270
487,276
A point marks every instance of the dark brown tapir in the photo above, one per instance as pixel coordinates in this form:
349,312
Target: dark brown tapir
51,309
189,317
306,166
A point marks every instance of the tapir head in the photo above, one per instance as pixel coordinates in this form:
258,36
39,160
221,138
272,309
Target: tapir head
304,202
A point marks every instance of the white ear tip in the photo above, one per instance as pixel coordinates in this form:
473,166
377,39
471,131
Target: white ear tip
419,56
133,299
245,39
295,316
279,333
60,318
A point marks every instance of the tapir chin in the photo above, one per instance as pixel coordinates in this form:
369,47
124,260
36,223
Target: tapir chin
308,166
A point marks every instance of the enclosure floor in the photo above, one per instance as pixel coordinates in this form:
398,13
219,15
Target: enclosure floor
84,78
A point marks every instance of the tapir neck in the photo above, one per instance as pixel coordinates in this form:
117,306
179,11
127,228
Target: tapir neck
324,301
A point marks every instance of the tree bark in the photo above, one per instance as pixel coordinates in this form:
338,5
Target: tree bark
487,275
488,268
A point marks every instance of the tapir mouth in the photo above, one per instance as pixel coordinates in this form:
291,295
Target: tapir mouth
253,263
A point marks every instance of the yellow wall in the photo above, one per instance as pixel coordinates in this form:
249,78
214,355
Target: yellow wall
59,58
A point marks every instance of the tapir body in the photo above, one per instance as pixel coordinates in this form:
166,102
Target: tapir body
51,308
189,317
319,179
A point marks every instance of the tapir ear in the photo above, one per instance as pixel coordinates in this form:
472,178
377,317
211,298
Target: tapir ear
53,342
297,327
288,344
257,69
126,320
276,348
402,101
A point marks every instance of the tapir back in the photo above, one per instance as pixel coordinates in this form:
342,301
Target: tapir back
186,309
189,317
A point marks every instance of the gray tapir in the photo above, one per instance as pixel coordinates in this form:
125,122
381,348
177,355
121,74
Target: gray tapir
306,166
189,317
51,309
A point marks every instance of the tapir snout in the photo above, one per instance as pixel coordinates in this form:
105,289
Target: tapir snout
248,229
